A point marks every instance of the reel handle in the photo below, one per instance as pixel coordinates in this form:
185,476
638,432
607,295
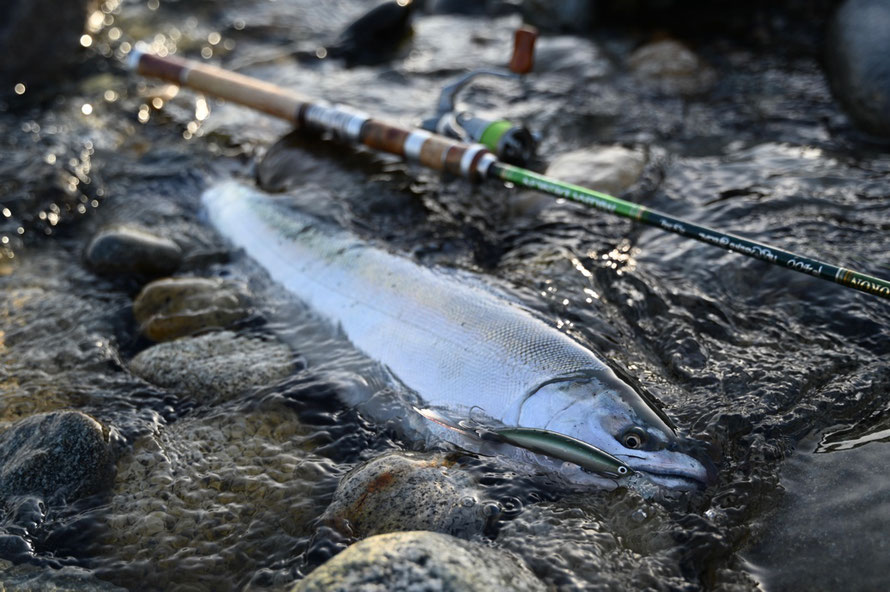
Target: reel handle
523,59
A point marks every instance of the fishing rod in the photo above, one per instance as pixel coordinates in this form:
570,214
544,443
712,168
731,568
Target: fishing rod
472,161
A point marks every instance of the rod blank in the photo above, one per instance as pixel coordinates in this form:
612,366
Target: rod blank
471,161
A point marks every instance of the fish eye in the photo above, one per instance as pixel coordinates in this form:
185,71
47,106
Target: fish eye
634,438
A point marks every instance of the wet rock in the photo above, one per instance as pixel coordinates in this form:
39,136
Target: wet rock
610,169
671,67
421,561
204,501
30,578
376,36
216,366
407,491
61,456
15,547
129,249
858,68
575,16
175,307
38,40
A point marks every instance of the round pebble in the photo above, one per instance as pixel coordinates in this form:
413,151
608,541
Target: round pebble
216,366
420,561
407,491
132,250
176,307
858,65
610,169
61,456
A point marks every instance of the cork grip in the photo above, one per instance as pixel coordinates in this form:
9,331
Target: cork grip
431,150
384,136
230,86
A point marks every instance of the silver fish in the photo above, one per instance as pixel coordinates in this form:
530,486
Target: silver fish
463,346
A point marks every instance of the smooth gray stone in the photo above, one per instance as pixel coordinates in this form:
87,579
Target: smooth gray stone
129,249
215,366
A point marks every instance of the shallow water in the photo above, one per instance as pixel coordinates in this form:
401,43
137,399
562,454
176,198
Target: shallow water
749,358
809,544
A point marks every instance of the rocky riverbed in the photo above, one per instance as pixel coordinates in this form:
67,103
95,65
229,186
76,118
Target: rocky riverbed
171,420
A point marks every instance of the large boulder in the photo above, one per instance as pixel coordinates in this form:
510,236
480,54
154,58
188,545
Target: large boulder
38,40
858,66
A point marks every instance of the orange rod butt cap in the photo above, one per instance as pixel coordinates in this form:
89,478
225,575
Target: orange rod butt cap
523,59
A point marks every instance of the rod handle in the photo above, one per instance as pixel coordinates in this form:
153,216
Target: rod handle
244,90
440,153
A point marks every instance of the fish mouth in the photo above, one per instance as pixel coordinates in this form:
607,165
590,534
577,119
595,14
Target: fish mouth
680,471
674,481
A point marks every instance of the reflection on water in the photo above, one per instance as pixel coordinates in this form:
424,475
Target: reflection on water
830,530
746,357
872,429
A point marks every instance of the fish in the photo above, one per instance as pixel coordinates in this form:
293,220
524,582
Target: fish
488,370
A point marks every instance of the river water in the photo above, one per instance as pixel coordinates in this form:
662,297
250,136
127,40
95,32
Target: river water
784,376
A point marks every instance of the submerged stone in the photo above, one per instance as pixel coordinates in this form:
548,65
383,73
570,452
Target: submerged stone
858,66
214,367
609,169
175,307
204,501
407,491
31,578
134,250
672,67
60,456
420,561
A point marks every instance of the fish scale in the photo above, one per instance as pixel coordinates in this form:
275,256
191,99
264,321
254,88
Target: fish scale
463,347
